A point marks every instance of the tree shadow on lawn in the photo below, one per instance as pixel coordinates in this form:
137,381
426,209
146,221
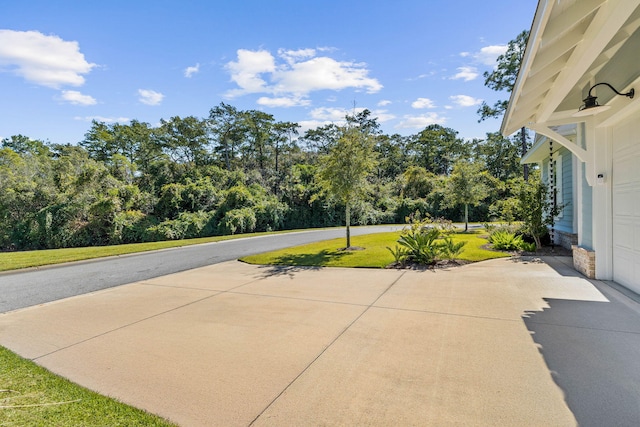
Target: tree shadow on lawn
289,264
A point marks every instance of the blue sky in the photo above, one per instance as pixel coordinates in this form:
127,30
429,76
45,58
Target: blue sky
411,62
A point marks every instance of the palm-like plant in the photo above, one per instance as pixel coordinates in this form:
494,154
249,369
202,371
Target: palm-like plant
422,246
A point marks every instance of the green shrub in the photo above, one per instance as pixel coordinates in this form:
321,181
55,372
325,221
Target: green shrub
505,240
399,254
449,249
422,245
238,221
188,225
130,226
270,214
528,247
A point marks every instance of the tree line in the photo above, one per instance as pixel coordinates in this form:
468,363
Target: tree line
240,171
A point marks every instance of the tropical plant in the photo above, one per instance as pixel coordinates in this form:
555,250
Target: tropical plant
505,241
399,255
450,249
422,246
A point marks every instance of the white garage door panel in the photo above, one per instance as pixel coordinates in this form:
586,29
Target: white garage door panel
626,204
625,171
621,236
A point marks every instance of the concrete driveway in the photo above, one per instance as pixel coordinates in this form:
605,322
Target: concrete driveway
502,342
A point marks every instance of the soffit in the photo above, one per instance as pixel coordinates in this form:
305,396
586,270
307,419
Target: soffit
570,42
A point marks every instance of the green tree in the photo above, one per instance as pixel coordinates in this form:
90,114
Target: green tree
133,141
418,182
500,155
320,139
259,125
22,144
100,141
343,172
437,148
503,78
228,128
364,122
185,140
465,187
536,209
392,151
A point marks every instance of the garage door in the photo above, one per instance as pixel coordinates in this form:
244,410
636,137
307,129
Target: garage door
626,204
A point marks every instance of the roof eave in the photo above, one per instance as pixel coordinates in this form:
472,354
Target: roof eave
543,11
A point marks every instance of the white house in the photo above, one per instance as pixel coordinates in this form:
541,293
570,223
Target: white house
578,50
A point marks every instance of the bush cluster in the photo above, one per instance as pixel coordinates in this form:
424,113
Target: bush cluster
425,242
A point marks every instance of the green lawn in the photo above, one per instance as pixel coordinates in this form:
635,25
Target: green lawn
32,396
374,254
24,259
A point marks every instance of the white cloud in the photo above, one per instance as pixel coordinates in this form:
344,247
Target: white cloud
382,115
421,121
247,70
293,56
488,54
283,102
423,103
190,71
299,73
384,103
150,97
103,119
323,116
330,114
41,59
465,100
466,74
77,98
306,125
323,73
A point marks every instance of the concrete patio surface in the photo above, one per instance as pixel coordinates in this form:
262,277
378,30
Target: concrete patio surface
503,342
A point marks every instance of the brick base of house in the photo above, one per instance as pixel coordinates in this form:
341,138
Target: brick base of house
566,240
584,261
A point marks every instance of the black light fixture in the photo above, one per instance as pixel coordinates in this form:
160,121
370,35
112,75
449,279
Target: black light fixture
591,105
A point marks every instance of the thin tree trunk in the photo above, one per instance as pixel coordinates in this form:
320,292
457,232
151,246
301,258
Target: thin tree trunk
348,222
523,142
466,217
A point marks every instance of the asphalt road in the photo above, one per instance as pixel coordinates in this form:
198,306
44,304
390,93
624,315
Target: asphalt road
25,288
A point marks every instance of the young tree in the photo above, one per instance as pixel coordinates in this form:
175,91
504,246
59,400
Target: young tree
503,77
536,209
343,172
465,187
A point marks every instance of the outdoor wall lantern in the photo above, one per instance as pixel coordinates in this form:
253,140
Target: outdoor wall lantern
591,105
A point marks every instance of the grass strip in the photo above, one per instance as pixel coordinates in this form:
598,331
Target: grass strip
32,396
25,259
374,254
